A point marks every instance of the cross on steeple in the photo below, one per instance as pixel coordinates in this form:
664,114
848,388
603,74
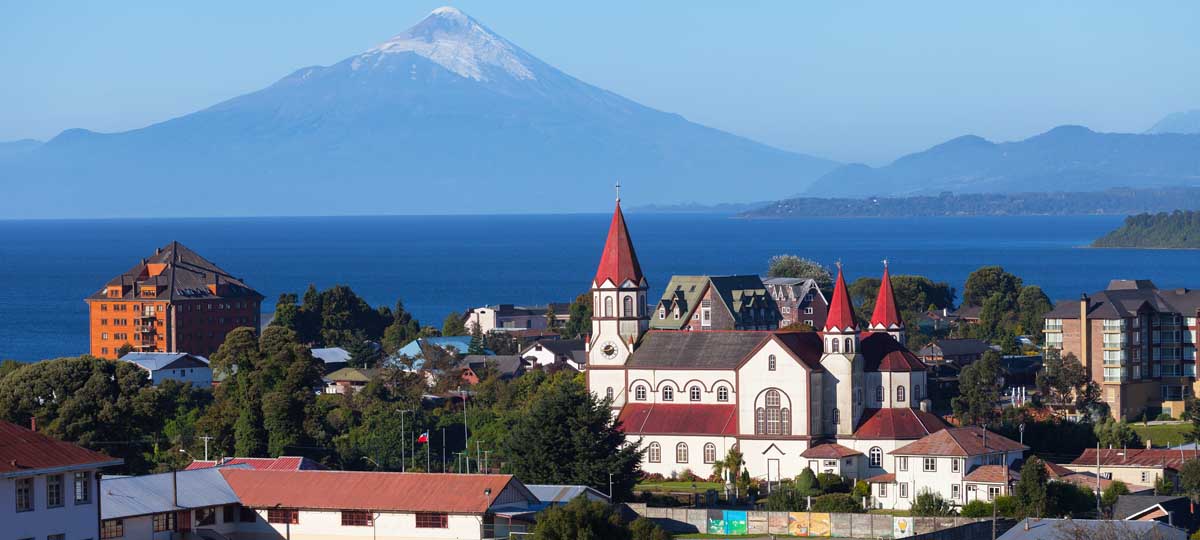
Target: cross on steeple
618,191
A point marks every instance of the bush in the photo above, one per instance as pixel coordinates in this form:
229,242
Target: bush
785,498
645,529
1006,505
841,503
687,475
652,477
1164,417
977,509
931,504
832,483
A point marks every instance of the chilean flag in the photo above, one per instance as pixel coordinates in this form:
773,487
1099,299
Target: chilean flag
424,438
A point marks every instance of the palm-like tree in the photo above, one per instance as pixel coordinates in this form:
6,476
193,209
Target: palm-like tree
729,467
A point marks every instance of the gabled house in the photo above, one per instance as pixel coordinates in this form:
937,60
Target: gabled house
960,464
182,367
349,380
716,303
554,351
475,366
800,301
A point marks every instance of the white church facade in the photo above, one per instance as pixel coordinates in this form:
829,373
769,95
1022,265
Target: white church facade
840,400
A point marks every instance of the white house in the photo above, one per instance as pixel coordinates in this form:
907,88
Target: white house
960,464
507,317
48,488
554,351
157,506
182,367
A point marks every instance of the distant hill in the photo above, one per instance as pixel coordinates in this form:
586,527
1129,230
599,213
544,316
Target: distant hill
1174,230
1066,158
16,148
445,117
1181,122
1119,201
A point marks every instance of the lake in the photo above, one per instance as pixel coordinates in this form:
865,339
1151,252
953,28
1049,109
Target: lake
440,264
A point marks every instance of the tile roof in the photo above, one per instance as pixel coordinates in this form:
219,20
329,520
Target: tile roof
886,315
618,261
129,496
830,451
1058,529
885,478
992,474
881,352
176,272
897,424
386,491
23,451
659,419
714,349
841,313
281,463
1137,457
963,441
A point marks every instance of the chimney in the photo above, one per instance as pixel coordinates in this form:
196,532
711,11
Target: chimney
32,423
925,404
1085,350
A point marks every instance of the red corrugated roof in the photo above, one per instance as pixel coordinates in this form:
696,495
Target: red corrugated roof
1138,457
23,450
962,442
992,474
830,451
897,424
679,419
886,315
351,490
841,313
619,261
282,463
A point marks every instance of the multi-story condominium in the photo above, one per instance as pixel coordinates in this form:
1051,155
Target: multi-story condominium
1137,341
172,301
49,489
716,303
799,300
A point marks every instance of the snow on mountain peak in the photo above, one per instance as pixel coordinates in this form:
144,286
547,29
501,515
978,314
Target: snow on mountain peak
458,43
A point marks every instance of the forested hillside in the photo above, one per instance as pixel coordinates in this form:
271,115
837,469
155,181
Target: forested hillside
1175,230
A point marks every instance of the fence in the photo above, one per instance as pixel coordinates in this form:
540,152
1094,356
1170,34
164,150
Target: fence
751,522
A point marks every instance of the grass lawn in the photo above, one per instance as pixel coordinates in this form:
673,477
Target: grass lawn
1163,434
678,487
705,535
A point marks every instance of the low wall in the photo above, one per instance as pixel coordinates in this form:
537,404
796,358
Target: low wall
751,522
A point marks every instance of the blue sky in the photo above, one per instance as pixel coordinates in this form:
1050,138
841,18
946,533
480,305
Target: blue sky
853,81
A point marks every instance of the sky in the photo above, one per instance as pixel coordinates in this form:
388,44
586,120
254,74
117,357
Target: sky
851,81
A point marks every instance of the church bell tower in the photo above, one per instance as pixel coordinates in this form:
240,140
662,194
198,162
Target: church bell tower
619,311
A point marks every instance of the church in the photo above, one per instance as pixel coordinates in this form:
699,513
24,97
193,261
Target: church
841,400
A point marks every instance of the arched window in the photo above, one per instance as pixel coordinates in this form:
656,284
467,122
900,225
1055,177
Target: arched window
879,394
639,393
681,453
917,391
654,453
608,306
785,423
875,457
694,393
627,306
722,393
849,345
771,363
773,413
834,344
772,419
760,421
900,393
608,393
668,393
710,453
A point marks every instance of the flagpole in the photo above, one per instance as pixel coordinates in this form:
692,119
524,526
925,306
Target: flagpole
428,443
443,450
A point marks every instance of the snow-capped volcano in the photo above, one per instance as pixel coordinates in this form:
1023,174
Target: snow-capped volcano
445,117
455,41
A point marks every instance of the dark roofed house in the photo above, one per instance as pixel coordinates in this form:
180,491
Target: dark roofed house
554,351
475,366
715,303
961,352
1098,529
1176,510
349,380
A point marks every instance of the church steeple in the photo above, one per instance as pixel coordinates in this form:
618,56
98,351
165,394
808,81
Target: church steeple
619,312
618,261
886,317
841,314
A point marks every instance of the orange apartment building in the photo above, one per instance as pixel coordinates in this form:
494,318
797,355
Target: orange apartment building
172,301
1137,341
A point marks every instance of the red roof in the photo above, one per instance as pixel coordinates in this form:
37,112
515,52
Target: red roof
962,442
618,262
22,450
885,478
679,419
1138,457
353,490
282,463
992,474
882,352
897,424
841,313
886,316
830,451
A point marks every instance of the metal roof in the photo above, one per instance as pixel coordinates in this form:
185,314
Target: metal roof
1056,529
561,494
154,361
332,355
24,452
153,493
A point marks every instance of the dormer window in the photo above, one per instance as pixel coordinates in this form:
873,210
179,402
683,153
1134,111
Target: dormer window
662,313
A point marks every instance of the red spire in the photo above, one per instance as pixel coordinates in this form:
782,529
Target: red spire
886,316
618,262
841,313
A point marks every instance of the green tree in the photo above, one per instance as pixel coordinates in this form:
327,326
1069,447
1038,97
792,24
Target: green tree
1111,493
1189,478
579,321
453,325
793,266
1114,434
914,296
1032,305
785,498
841,503
476,345
403,329
646,529
726,468
989,280
580,519
333,317
567,436
287,311
551,318
929,503
979,389
832,483
1031,488
806,483
1192,411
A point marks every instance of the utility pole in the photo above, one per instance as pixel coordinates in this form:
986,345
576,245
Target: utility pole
206,438
478,455
1099,512
466,448
443,450
403,442
485,460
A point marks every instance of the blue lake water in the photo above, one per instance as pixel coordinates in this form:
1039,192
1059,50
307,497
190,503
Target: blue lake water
439,264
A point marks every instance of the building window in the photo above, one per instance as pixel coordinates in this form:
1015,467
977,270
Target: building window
902,463
24,494
112,528
849,345
771,363
929,464
654,453
773,422
639,393
694,393
283,515
206,516
681,452
833,343
837,417
164,522
879,394
722,393
916,392
903,490
760,421
954,465
432,520
608,393
54,491
357,518
247,514
229,513
900,393
83,487
993,492
662,313
608,306
710,453
955,492
883,490
875,457
627,306
668,393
